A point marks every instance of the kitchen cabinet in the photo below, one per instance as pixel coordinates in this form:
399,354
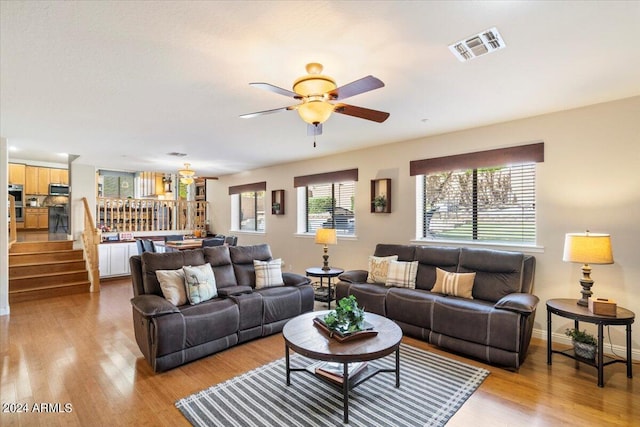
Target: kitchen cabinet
114,258
36,218
37,180
59,176
16,173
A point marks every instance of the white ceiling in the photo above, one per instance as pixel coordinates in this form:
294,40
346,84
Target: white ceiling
121,84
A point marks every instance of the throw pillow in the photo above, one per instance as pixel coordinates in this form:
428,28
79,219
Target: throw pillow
456,284
402,274
172,285
268,273
378,267
200,283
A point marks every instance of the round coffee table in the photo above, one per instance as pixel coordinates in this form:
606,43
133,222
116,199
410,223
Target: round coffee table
301,336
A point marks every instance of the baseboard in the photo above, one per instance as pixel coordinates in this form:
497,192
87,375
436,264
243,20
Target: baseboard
620,351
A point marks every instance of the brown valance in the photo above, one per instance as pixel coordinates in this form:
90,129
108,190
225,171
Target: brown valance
325,178
500,157
256,186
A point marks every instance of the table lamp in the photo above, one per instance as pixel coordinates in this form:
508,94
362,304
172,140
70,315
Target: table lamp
326,236
587,248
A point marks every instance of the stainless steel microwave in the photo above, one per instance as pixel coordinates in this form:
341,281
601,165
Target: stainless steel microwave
58,190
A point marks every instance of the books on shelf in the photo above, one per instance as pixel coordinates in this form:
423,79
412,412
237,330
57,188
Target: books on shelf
334,370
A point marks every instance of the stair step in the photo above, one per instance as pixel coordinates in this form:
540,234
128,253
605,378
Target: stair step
39,281
25,270
45,257
36,247
50,291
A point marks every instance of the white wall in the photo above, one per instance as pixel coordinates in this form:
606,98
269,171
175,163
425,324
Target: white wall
4,233
590,179
83,184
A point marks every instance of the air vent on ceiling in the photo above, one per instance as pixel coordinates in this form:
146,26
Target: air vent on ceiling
176,154
480,44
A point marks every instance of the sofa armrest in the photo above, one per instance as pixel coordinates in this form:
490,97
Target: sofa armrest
354,276
518,302
153,305
294,279
234,290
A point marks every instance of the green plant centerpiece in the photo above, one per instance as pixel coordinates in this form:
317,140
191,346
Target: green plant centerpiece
584,344
347,317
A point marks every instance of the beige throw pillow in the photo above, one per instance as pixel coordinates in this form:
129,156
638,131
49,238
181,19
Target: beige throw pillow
378,268
402,274
268,273
172,285
456,284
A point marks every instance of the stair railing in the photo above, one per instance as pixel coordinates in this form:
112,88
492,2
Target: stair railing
91,239
13,230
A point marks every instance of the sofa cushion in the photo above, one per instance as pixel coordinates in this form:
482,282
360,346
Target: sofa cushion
378,268
200,283
242,258
411,306
268,273
498,273
456,284
153,261
430,257
370,296
404,252
279,303
220,260
172,285
402,274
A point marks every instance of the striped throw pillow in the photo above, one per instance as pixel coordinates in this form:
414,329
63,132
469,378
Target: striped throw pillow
456,284
402,274
268,273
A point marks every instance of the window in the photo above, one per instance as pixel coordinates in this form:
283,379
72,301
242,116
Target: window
252,211
481,203
248,206
331,206
327,200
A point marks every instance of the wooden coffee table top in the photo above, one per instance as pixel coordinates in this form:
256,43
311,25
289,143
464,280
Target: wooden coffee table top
304,338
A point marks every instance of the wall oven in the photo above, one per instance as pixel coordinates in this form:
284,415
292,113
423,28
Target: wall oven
17,191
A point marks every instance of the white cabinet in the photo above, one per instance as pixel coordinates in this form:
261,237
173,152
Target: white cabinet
114,258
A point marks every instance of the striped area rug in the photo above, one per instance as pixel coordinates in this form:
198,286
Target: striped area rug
432,389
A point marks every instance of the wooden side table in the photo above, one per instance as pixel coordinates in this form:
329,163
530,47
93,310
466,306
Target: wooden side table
324,274
568,308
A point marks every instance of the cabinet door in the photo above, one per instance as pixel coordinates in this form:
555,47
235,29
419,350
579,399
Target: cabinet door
59,176
104,252
31,219
31,180
43,218
43,181
64,176
119,259
16,173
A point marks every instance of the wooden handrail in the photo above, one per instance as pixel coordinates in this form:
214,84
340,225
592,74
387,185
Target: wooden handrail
116,214
91,239
13,230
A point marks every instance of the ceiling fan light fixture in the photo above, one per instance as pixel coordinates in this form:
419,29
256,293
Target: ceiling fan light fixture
314,83
186,180
187,174
315,111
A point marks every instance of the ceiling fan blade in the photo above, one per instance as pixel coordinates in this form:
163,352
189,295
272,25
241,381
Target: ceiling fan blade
262,113
313,130
275,89
363,113
365,84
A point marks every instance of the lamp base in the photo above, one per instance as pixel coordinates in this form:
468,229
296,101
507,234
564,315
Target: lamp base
325,257
586,284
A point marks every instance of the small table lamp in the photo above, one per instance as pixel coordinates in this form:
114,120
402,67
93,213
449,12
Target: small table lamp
587,248
326,236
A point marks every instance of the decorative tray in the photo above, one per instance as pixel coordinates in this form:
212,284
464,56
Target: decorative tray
367,332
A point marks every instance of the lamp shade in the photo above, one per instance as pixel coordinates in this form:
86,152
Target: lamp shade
326,236
588,248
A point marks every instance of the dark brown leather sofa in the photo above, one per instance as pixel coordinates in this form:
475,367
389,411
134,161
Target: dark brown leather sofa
494,326
170,335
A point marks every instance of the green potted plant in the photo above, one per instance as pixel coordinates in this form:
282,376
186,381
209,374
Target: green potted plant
380,202
347,317
584,344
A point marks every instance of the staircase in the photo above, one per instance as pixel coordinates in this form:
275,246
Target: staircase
46,269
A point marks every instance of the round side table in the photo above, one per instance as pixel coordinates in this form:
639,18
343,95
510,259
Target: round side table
324,274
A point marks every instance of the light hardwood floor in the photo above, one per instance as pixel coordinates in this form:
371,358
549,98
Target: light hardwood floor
81,350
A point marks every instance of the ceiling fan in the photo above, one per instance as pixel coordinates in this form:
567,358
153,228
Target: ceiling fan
315,91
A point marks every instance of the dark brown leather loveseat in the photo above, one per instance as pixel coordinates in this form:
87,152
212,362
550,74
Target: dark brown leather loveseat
494,326
170,335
